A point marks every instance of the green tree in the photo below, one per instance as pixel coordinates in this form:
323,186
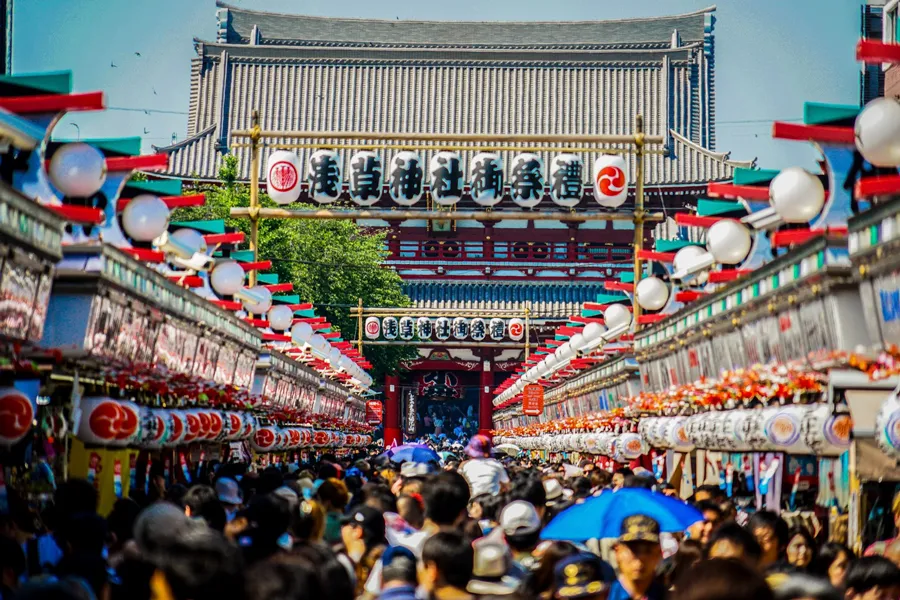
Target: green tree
332,263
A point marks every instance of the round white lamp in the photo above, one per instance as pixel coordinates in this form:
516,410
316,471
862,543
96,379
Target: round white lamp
728,241
300,333
593,331
797,195
652,293
227,278
191,239
264,303
145,218
616,315
878,132
280,317
78,170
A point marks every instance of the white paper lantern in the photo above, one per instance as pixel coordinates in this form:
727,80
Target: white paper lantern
16,416
687,256
301,333
446,178
526,180
390,328
616,315
631,446
407,328
424,328
443,328
516,329
783,428
365,178
283,177
108,422
728,241
405,178
796,195
227,278
460,328
577,342
77,170
154,429
564,352
486,178
610,181
826,431
334,357
566,180
652,293
265,439
878,132
497,329
177,423
280,317
145,217
373,328
887,426
263,305
478,329
323,172
676,434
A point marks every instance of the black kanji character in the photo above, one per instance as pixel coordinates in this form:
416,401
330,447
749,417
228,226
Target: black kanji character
447,178
325,176
526,179
487,176
567,183
365,177
406,179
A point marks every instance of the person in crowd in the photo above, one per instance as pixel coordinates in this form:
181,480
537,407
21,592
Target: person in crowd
801,548
880,547
584,576
411,508
120,523
712,516
284,580
202,502
618,478
704,493
689,553
801,586
333,496
199,564
484,474
730,540
492,571
363,535
872,578
530,489
771,532
832,563
229,494
638,554
540,580
521,526
308,522
399,577
446,566
721,579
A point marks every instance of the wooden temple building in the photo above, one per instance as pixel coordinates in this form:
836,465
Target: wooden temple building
589,77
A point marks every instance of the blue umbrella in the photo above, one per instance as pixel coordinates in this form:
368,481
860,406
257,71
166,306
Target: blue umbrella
414,454
394,449
601,516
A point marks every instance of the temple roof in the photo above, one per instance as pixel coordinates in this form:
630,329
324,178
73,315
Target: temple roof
236,26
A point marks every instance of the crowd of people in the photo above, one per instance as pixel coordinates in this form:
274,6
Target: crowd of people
446,421
364,527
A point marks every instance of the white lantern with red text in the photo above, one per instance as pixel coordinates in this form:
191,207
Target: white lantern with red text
610,181
283,177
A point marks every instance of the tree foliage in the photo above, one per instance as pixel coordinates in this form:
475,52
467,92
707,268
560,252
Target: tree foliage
332,263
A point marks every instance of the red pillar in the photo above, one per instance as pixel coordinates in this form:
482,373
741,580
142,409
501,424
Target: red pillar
485,399
392,411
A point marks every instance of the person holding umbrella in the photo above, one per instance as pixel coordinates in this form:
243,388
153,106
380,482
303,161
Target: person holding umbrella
638,553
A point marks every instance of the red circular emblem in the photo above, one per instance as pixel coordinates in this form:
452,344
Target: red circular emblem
611,181
205,424
372,327
515,329
215,424
128,426
283,176
234,424
265,438
16,415
192,427
106,420
177,427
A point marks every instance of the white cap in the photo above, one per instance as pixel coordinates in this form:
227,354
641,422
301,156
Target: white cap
519,517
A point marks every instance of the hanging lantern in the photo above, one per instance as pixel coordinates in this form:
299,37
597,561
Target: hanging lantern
477,329
516,329
486,178
610,181
373,328
324,175
365,178
750,430
877,131
407,328
566,180
192,426
783,428
145,218
446,178
265,439
526,180
301,333
405,180
233,426
154,430
389,328
460,328
826,430
887,426
617,315
283,177
796,195
16,416
77,170
108,422
249,426
728,241
424,328
178,428
442,328
497,329
216,425
652,293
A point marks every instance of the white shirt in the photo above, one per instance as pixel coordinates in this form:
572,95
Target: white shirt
484,475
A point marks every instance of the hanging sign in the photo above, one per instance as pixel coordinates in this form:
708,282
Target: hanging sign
407,328
533,400
424,328
374,412
460,328
389,328
516,329
497,329
442,328
410,413
477,329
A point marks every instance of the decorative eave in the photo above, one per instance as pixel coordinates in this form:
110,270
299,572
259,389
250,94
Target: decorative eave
724,157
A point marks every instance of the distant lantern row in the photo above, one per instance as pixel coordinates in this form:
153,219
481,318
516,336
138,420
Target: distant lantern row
407,175
443,328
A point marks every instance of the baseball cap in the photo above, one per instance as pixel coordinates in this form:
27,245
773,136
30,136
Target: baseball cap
553,489
392,552
366,517
479,446
519,518
490,572
639,528
409,470
228,491
582,575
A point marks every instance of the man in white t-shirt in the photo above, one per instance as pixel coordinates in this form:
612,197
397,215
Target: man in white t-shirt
484,474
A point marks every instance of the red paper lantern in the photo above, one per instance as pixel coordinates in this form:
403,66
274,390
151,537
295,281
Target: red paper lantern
16,416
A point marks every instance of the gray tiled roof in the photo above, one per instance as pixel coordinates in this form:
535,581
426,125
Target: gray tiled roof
236,25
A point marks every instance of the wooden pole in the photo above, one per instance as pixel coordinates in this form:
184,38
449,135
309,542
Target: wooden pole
639,216
527,332
253,211
359,327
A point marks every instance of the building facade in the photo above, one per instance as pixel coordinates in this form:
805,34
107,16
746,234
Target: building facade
589,77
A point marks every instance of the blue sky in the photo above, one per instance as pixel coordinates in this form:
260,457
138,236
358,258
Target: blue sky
771,55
